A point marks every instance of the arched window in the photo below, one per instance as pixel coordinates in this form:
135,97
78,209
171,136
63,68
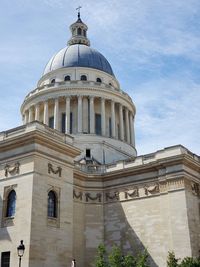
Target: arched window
79,31
52,204
83,78
67,78
98,80
11,204
84,33
53,80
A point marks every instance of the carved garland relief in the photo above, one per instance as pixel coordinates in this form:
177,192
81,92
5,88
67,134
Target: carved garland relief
51,169
12,170
119,195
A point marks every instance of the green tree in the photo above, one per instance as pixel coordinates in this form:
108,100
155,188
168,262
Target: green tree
115,257
129,261
101,257
171,260
141,260
190,262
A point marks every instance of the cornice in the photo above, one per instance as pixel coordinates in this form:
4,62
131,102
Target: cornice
63,91
38,137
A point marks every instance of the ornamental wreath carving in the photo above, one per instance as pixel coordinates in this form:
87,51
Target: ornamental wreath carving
152,189
52,170
112,196
195,189
12,169
78,195
89,197
134,193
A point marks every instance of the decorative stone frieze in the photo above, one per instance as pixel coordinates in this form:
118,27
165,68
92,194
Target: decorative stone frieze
152,189
195,189
112,196
78,195
12,170
52,170
135,193
98,197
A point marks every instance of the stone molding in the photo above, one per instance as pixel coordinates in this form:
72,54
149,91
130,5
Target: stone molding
122,194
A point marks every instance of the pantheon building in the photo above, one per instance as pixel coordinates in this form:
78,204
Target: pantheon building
70,176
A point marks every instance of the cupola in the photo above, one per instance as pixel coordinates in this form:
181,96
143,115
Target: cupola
79,32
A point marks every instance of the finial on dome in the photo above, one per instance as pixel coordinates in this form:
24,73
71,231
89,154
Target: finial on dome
79,14
79,31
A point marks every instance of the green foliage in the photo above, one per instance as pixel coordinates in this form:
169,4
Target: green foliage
171,260
101,258
142,259
190,262
117,259
129,261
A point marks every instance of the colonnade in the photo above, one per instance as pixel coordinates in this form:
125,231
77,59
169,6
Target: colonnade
126,117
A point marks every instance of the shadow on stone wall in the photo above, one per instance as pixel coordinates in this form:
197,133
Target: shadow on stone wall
118,231
4,235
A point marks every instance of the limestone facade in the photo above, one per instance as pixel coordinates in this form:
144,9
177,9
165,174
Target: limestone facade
76,180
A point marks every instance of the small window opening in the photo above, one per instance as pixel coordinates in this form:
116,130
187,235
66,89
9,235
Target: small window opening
52,204
110,84
5,259
84,33
67,78
88,153
53,80
11,204
83,78
79,31
51,122
99,80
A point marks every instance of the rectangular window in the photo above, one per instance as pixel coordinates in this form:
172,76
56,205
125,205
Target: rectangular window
71,122
88,154
98,124
51,122
5,259
63,122
110,128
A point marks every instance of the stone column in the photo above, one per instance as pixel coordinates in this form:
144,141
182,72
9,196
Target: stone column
26,117
132,129
80,114
46,113
127,125
30,114
67,116
56,114
113,118
121,123
103,119
85,115
37,112
91,114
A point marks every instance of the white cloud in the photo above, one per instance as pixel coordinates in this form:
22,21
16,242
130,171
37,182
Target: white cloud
167,115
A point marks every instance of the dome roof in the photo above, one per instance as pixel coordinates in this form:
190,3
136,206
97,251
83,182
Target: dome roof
78,55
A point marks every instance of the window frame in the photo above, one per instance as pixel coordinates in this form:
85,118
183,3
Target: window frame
85,77
67,75
3,254
52,214
9,204
53,81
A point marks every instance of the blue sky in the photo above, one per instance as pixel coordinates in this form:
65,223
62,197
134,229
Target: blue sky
152,45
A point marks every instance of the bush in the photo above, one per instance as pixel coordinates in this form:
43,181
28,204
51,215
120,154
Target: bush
116,258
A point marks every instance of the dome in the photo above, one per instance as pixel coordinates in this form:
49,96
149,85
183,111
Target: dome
78,55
